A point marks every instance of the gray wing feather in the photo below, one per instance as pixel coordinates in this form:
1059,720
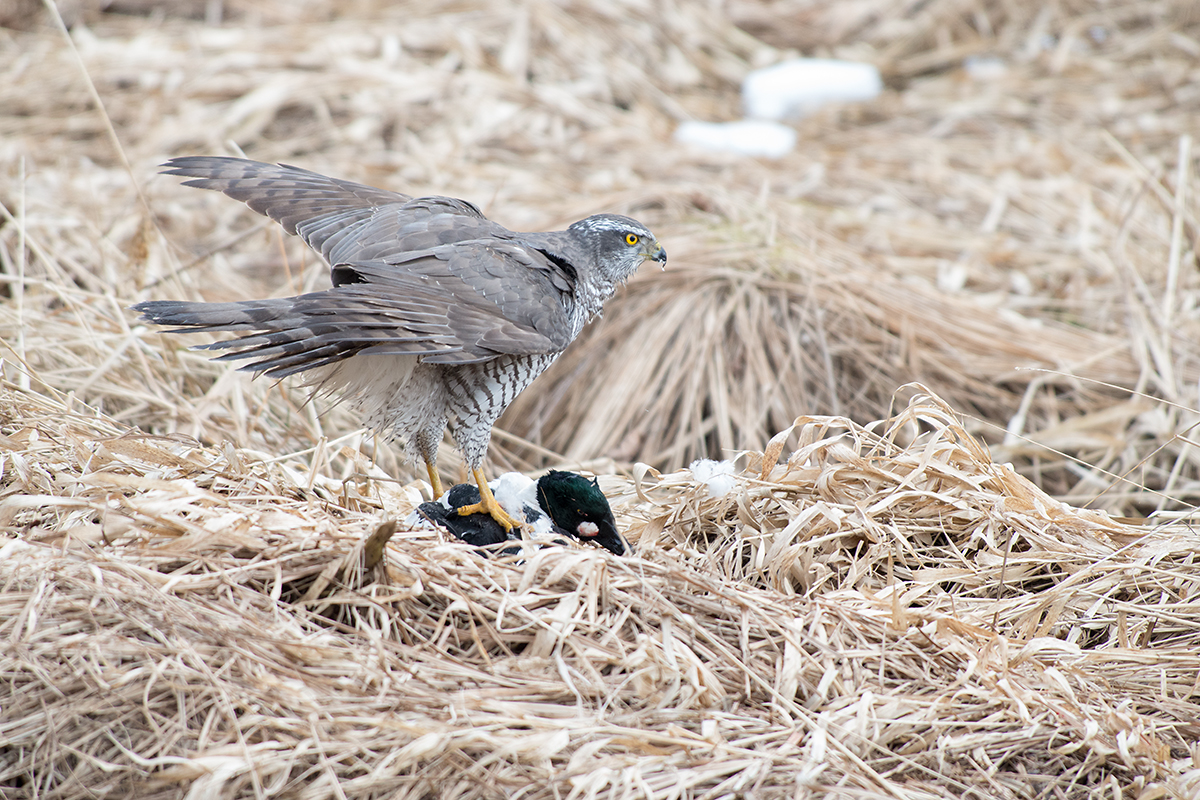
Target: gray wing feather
455,304
342,220
427,276
289,195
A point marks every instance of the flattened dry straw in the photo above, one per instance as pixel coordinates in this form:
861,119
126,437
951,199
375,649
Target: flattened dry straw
880,607
908,621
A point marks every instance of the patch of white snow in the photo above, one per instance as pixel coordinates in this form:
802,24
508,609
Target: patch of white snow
719,475
792,89
745,137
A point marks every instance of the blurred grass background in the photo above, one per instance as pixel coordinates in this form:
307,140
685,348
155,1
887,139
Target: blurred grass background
1011,223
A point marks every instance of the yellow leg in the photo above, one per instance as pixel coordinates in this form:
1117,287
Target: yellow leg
487,504
435,480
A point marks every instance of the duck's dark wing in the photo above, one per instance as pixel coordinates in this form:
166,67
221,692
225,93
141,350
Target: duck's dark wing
479,530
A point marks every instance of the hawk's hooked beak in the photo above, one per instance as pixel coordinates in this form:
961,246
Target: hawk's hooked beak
659,254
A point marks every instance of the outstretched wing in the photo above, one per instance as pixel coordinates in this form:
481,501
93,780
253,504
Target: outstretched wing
341,220
459,303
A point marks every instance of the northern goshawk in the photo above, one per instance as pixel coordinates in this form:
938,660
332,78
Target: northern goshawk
436,315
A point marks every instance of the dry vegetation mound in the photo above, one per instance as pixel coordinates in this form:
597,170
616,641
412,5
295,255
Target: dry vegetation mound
858,618
927,338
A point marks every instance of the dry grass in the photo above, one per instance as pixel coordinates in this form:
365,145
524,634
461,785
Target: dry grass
862,619
979,293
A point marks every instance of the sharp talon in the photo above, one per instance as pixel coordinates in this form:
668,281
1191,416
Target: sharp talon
502,517
487,505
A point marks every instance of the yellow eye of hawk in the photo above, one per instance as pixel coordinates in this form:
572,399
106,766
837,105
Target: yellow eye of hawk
631,239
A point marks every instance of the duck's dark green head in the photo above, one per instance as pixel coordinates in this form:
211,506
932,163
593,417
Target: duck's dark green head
580,509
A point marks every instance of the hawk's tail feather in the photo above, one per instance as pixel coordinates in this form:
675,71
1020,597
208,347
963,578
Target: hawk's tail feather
243,316
283,338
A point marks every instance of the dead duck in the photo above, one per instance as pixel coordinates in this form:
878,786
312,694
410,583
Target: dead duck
562,503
